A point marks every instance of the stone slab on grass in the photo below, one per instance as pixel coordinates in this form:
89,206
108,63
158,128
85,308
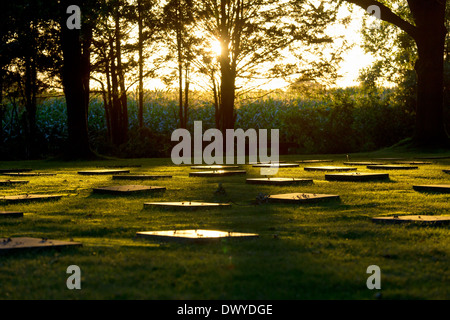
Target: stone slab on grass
29,174
212,167
15,170
361,163
279,181
11,214
186,205
302,198
315,161
329,168
392,167
127,189
356,176
434,188
10,245
276,165
141,177
12,182
193,236
413,162
31,197
217,173
102,172
422,219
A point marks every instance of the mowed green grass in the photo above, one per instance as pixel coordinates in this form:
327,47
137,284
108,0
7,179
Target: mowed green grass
316,251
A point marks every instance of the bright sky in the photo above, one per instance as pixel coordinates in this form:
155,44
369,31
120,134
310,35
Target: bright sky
354,59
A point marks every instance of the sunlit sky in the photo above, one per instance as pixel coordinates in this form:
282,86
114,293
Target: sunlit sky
354,59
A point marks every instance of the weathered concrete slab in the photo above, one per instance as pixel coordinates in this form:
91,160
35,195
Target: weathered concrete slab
265,162
392,167
433,158
12,182
214,167
141,177
11,214
361,163
422,219
102,172
315,161
276,165
356,176
10,245
128,189
217,173
30,197
413,162
15,170
302,198
330,168
390,159
28,174
186,205
279,181
121,166
434,188
194,236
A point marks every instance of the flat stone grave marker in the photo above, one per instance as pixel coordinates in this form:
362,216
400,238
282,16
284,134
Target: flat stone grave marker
433,158
329,168
101,172
15,170
121,166
141,177
437,188
30,197
392,167
361,163
213,167
127,189
217,173
11,214
413,162
301,197
446,171
9,245
191,205
194,236
356,176
276,165
28,174
390,159
265,162
314,161
279,181
427,220
11,182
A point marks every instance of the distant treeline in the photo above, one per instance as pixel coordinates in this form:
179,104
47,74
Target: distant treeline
337,121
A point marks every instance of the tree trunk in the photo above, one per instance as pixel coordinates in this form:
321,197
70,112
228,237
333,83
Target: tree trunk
227,84
430,127
141,68
74,89
123,122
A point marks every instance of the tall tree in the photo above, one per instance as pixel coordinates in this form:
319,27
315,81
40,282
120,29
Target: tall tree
28,56
428,30
75,45
178,21
253,35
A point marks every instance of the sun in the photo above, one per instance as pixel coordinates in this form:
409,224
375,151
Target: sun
216,47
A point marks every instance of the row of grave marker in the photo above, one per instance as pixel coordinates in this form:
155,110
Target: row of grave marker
19,243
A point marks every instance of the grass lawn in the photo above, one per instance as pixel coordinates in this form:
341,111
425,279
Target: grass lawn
314,251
